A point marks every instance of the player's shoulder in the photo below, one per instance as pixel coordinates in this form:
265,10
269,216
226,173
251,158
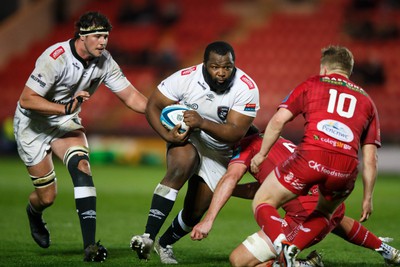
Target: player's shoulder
57,50
189,72
243,80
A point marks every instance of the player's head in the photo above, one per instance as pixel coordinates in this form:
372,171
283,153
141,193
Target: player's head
92,22
93,29
336,59
219,66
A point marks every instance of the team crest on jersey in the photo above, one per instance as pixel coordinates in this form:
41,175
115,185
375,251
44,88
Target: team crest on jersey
248,82
58,52
223,112
188,71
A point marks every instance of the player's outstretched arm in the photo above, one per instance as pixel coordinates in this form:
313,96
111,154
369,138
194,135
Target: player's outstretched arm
222,193
133,99
271,134
369,173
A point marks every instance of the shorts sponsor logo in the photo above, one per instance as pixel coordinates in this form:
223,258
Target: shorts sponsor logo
325,170
290,179
248,82
336,130
188,71
38,80
58,52
250,107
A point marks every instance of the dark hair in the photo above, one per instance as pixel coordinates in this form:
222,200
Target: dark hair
337,58
219,47
92,18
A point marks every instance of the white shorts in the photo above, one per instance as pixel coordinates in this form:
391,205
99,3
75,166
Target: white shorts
33,137
260,247
213,161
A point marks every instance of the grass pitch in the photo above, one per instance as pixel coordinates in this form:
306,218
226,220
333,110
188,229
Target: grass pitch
124,195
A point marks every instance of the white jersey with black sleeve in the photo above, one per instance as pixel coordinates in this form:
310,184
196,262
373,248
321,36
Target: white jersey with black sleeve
188,87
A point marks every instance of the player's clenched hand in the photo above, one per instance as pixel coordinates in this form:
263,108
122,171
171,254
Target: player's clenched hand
192,119
76,102
255,162
174,136
201,230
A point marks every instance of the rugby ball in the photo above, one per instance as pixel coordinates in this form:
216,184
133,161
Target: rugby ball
172,115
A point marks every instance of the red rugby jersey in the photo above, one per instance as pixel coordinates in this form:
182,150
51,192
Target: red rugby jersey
339,115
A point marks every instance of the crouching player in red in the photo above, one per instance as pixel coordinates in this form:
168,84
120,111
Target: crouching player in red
258,249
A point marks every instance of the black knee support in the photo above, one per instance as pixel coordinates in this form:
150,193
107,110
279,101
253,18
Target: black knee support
72,158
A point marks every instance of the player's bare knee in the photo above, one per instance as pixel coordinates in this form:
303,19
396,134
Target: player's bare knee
234,259
46,200
77,161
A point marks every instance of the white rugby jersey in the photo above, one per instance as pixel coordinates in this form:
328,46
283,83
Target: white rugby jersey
60,73
189,88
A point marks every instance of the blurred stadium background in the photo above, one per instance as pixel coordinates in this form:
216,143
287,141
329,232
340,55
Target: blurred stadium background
277,43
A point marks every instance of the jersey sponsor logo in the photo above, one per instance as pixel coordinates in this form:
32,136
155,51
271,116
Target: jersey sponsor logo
38,80
58,52
325,170
193,106
248,82
336,130
223,112
250,107
341,82
188,71
335,143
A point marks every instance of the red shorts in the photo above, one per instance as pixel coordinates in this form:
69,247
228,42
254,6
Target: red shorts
334,173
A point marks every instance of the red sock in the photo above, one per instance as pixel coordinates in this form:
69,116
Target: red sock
269,220
359,235
312,227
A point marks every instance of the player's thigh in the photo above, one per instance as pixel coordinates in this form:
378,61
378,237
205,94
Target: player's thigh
74,138
182,163
197,200
272,192
328,207
43,167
